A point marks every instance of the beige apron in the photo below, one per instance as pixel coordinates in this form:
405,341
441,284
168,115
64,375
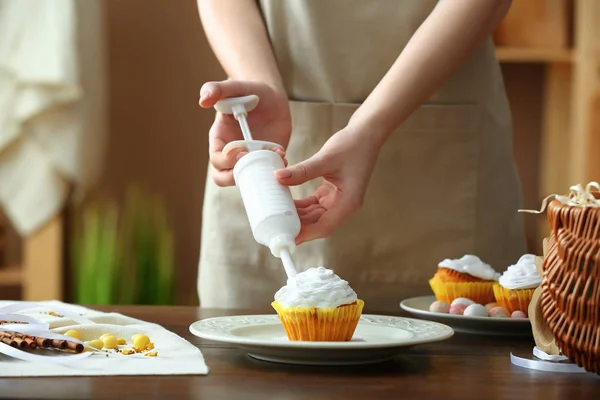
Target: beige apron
445,183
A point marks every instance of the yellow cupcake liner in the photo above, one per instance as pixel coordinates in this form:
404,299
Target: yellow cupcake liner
513,300
479,292
336,324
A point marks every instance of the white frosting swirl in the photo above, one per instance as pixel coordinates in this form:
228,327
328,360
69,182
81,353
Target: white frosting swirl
316,287
578,197
522,275
472,265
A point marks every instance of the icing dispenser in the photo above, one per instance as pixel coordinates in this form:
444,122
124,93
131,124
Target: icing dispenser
269,205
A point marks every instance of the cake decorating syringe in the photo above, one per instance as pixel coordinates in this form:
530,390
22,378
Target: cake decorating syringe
269,205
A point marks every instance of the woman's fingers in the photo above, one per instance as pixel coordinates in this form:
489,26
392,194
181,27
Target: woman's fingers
319,222
302,172
318,228
313,216
309,209
225,162
223,165
306,202
211,92
216,143
220,161
223,177
281,152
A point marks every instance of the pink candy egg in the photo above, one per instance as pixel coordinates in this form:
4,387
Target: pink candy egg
499,312
458,309
518,314
440,307
489,306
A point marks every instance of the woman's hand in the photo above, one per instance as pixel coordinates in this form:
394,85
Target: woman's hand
269,121
345,162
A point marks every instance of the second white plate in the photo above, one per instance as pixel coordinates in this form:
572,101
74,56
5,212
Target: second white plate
377,338
419,306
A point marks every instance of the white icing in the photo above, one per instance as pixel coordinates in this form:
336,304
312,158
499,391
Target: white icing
578,197
472,265
522,275
316,287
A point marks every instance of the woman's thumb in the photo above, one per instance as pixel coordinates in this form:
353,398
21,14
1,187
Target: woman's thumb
211,92
300,173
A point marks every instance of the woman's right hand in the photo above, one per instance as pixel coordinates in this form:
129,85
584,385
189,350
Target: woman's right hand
269,121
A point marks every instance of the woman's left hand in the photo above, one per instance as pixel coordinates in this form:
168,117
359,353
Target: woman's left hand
345,162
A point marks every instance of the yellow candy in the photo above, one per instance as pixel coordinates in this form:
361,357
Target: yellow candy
150,346
110,342
73,333
127,352
153,354
140,341
97,344
104,335
121,341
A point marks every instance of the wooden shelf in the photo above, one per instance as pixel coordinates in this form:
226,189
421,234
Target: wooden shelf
11,276
531,55
39,272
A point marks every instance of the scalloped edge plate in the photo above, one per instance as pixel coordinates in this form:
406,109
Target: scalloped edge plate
419,307
377,338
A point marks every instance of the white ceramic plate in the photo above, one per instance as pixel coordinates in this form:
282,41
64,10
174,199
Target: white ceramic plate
376,339
419,306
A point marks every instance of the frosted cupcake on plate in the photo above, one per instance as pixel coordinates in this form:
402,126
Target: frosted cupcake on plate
316,305
467,277
515,287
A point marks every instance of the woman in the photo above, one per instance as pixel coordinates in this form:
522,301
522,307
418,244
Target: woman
403,97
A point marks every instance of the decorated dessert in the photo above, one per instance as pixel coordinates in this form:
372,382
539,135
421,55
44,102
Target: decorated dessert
316,305
467,277
564,308
516,286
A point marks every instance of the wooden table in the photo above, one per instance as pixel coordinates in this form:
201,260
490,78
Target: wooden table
464,367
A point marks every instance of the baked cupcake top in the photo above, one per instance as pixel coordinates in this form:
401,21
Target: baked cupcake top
472,265
522,275
316,287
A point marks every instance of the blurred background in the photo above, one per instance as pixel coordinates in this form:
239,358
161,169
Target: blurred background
122,221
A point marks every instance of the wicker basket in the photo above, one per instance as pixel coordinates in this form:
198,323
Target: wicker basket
570,299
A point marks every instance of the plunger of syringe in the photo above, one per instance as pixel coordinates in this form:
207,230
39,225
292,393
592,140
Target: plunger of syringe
240,113
239,107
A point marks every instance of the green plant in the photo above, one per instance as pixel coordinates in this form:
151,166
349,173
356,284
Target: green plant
96,254
126,258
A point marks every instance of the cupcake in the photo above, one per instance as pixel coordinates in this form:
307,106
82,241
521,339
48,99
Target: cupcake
316,305
516,286
467,277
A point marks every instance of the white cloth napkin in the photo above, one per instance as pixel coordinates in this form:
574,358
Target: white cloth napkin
51,105
176,356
